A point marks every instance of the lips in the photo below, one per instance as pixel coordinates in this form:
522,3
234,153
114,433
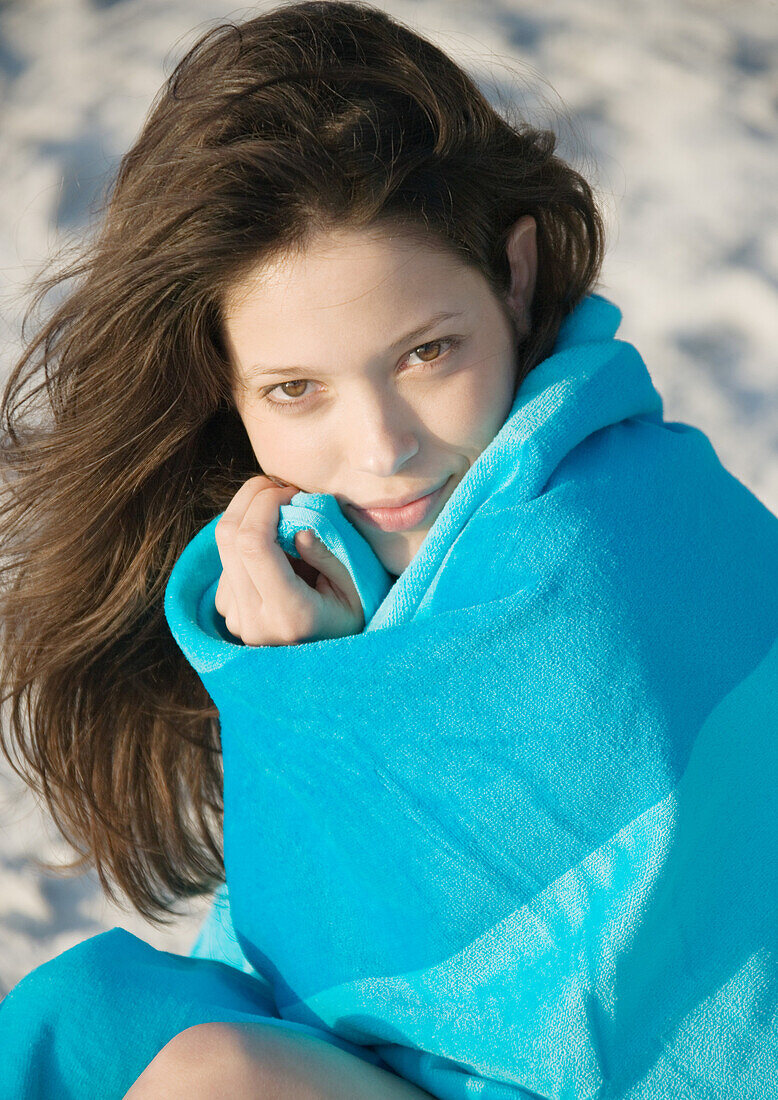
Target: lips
389,505
404,517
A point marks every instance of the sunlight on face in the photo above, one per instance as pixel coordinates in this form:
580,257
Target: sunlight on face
358,396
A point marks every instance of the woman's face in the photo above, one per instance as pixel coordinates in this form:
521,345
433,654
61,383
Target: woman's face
347,384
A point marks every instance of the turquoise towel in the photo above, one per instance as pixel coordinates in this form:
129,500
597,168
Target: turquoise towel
519,835
517,838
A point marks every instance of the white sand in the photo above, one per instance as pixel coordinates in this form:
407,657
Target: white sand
673,109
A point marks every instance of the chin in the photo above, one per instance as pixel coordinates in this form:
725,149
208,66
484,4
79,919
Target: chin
395,559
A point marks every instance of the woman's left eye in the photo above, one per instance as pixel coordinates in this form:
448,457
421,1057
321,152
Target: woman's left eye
452,341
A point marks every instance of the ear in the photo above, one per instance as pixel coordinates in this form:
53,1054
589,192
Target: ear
522,253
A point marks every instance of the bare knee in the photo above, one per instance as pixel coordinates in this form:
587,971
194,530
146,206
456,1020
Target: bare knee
202,1062
220,1061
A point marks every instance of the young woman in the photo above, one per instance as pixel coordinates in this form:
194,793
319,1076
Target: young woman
327,267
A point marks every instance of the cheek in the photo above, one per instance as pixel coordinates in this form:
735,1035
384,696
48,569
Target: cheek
477,400
288,450
271,446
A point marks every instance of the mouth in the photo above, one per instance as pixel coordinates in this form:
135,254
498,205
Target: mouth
404,518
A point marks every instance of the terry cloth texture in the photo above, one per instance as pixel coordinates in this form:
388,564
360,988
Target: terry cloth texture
517,837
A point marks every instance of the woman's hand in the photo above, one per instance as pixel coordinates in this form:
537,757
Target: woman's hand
268,598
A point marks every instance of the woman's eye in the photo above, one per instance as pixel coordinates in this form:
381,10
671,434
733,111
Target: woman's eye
294,396
301,398
434,344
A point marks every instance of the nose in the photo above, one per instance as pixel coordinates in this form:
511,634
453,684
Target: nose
381,441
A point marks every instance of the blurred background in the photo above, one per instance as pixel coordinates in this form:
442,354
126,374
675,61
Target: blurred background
668,107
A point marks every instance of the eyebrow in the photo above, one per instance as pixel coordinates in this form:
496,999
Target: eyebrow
257,369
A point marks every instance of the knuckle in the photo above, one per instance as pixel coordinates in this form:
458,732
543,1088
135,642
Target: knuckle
298,630
249,541
223,529
287,636
281,633
232,625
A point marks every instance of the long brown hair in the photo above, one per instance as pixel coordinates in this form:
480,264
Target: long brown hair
120,437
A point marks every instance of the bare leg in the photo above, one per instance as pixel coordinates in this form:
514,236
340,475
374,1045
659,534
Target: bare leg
220,1061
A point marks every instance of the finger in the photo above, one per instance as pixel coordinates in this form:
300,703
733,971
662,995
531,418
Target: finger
224,598
233,514
331,569
264,562
221,597
226,605
246,604
224,601
246,493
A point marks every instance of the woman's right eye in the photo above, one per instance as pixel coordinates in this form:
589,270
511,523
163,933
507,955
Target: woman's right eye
294,398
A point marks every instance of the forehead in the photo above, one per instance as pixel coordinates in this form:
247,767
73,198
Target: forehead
336,265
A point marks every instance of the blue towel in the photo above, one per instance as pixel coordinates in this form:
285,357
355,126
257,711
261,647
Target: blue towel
517,838
521,840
